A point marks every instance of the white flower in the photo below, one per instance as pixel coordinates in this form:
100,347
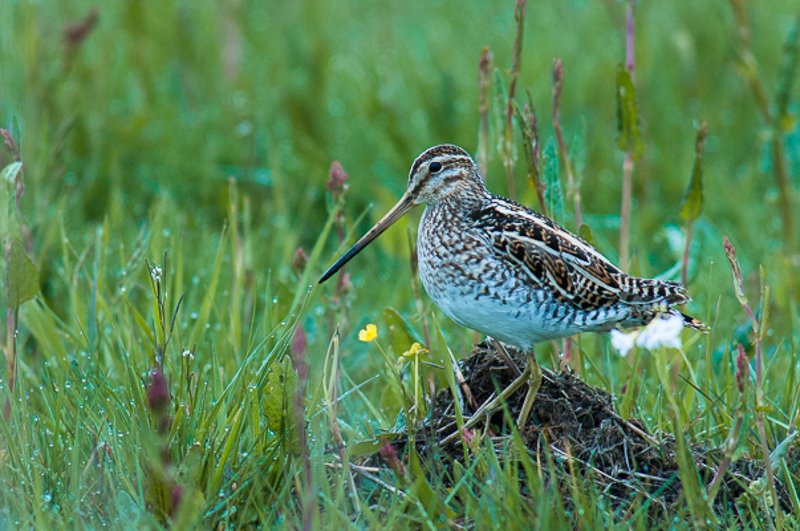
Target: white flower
622,342
662,331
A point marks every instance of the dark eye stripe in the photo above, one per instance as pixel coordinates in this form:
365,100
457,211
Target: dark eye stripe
421,184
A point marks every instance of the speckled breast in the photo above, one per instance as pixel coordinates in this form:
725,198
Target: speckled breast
477,289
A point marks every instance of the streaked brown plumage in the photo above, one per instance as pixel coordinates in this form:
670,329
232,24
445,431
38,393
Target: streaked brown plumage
504,270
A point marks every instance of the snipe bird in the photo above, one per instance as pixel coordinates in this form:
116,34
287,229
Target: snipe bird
502,269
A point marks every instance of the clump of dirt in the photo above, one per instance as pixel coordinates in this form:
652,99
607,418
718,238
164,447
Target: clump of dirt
576,422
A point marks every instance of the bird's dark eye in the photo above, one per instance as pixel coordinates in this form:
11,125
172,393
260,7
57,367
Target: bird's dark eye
435,167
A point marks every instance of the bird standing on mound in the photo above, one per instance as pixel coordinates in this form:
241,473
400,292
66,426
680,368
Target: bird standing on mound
502,269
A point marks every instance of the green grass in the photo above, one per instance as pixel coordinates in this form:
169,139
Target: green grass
198,137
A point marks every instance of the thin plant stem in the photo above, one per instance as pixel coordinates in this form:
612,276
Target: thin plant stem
484,72
693,203
573,189
530,132
627,165
412,246
759,330
625,212
508,147
730,448
685,258
331,389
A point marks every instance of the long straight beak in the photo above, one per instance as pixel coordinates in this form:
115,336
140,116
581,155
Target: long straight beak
405,204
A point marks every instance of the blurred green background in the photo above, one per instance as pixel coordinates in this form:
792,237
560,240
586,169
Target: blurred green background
142,114
207,130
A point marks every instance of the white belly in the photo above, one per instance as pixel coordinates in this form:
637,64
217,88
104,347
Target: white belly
517,322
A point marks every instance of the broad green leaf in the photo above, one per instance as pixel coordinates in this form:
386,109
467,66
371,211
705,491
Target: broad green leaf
736,272
23,278
585,233
391,404
693,201
127,509
10,172
281,386
628,136
369,446
401,334
552,194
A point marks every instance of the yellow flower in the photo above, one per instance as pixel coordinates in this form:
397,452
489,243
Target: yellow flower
415,350
368,334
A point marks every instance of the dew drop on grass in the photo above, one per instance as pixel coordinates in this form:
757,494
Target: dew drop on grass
166,233
195,280
193,315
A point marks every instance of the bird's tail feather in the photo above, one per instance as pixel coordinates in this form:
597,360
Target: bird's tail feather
691,322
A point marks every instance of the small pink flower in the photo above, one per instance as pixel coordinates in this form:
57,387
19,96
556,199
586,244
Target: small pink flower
337,181
389,456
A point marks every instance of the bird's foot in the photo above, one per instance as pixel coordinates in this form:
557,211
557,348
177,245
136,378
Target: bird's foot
534,383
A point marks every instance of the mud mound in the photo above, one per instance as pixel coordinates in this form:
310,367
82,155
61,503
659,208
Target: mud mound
574,421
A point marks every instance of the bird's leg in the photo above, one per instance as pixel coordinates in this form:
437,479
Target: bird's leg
534,378
532,375
500,348
534,383
491,405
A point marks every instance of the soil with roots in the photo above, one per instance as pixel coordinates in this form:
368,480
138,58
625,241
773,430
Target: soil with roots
573,429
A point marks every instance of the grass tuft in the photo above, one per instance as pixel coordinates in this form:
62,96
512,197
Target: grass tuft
168,198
